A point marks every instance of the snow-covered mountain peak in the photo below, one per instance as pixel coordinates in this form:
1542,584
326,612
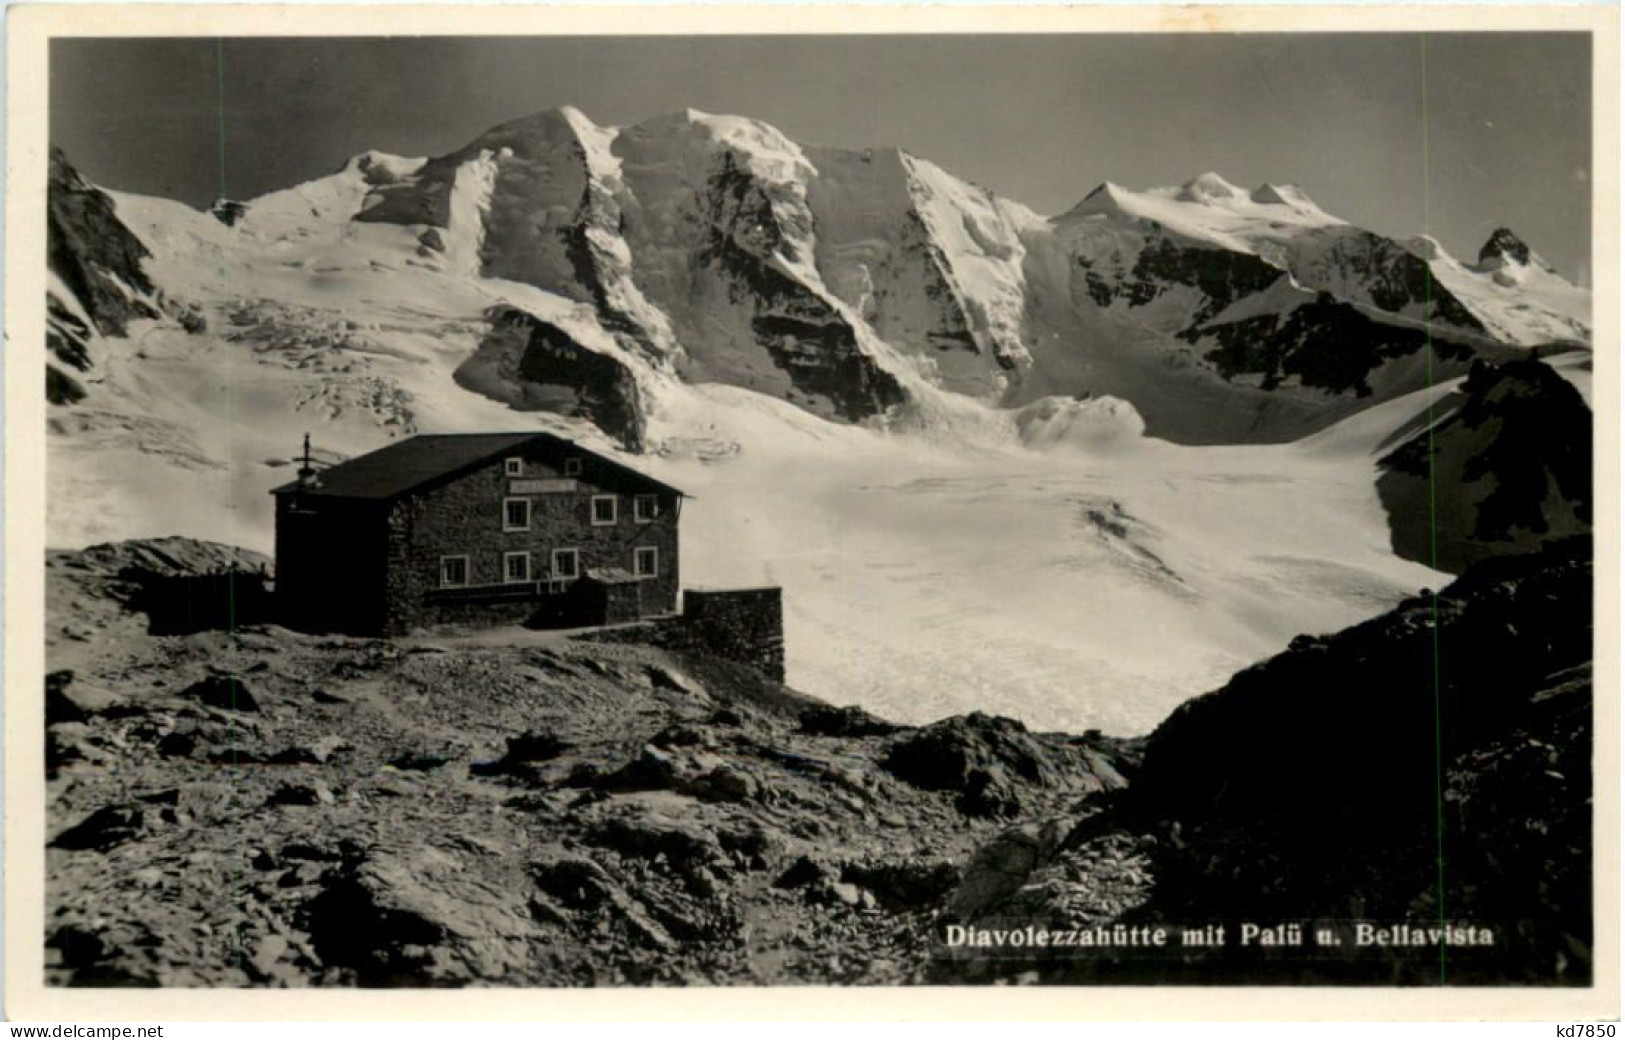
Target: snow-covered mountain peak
528,136
596,267
1292,195
1208,188
1211,211
765,150
1106,193
1426,247
1106,199
573,115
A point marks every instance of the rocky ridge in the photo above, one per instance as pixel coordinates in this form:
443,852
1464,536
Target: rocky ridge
1429,767
1513,446
98,284
264,808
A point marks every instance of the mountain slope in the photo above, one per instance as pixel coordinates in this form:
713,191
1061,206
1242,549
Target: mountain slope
848,282
97,283
1509,777
456,812
892,393
1424,777
1505,467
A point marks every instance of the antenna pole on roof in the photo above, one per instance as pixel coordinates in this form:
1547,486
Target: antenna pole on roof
306,469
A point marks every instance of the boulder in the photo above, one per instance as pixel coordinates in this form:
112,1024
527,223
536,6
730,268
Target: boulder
301,794
67,743
653,770
723,784
313,752
203,801
1003,865
69,700
225,692
680,843
106,952
105,828
824,720
905,884
681,735
59,707
419,761
585,889
662,678
418,916
804,871
575,881
994,764
523,751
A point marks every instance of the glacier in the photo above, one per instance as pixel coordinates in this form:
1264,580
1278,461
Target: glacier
1070,469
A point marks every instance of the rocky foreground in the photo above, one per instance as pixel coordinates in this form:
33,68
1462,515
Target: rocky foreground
266,808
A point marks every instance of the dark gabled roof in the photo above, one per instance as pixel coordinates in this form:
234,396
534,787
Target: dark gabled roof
406,465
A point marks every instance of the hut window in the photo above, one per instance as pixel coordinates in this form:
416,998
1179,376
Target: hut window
513,467
646,561
566,563
516,566
603,510
453,572
516,514
572,466
645,508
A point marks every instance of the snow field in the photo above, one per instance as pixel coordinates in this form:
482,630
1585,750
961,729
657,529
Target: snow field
1049,563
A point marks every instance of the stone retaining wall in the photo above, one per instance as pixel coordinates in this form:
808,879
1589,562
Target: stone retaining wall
745,626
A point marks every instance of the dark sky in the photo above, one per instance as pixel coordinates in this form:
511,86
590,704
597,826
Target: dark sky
1503,136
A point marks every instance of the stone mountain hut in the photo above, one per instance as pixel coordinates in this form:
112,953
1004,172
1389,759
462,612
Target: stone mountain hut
488,528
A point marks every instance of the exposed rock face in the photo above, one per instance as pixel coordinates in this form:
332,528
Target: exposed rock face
1432,765
714,247
718,256
807,338
99,282
1360,267
535,200
452,814
228,211
855,284
536,365
61,388
1326,773
994,766
1514,449
1323,343
1160,264
162,557
1326,310
1263,317
1504,245
98,261
91,250
416,915
932,264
